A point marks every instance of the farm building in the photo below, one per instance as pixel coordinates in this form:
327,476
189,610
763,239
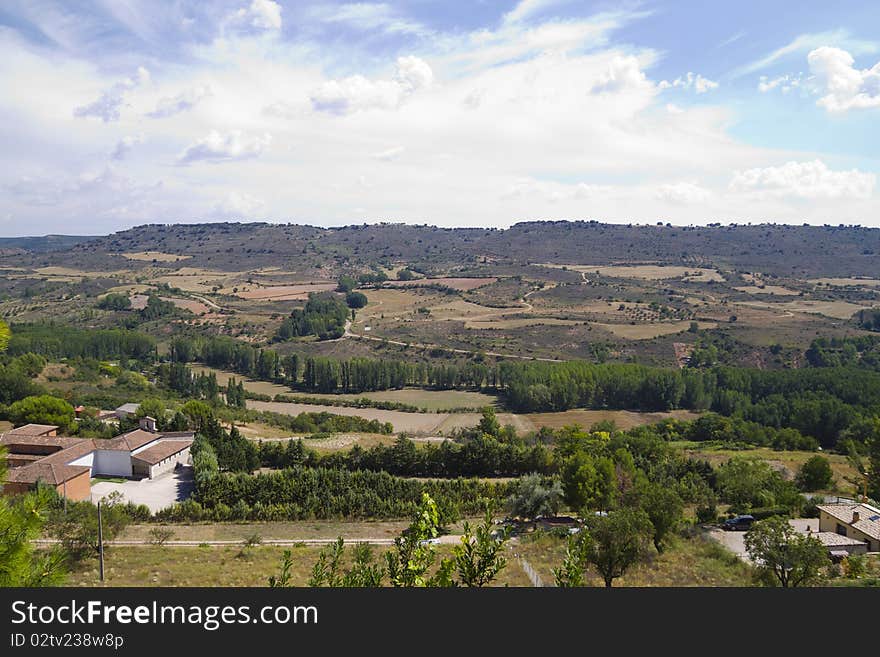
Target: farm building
68,464
855,521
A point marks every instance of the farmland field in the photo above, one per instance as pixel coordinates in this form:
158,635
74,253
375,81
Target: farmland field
432,400
455,283
157,256
587,418
647,331
286,292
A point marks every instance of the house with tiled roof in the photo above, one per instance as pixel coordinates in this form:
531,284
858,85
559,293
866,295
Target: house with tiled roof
853,520
35,453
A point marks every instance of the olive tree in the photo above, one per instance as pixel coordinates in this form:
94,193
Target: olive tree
784,555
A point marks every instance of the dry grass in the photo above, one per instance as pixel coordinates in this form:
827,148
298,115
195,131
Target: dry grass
767,289
845,282
418,423
789,461
158,256
139,301
432,400
648,272
501,324
694,561
463,284
285,292
260,387
586,419
648,331
835,309
301,530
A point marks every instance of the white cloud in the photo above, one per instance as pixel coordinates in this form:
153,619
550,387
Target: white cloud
356,93
683,193
369,16
123,146
109,106
784,83
844,87
622,73
527,8
690,81
806,180
219,147
389,154
239,205
807,42
171,105
554,192
260,15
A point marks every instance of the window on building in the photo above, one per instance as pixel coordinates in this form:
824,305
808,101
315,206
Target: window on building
841,529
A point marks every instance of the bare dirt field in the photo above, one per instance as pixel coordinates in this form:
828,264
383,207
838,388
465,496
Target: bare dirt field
286,292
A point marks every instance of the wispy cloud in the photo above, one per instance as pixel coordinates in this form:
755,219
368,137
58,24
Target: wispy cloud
803,44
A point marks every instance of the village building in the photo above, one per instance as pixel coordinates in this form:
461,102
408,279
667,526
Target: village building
35,453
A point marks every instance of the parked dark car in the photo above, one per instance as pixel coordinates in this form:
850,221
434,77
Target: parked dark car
738,524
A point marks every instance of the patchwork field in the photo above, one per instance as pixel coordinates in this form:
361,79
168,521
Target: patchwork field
286,292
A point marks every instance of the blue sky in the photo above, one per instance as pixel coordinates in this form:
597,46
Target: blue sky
121,112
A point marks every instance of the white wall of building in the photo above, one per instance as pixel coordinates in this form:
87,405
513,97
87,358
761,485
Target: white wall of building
112,463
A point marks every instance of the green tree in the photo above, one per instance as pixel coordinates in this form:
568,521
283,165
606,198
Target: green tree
77,528
198,414
571,572
327,571
480,555
5,334
413,554
345,284
115,301
617,541
535,495
784,555
489,424
22,519
356,300
154,408
664,508
42,409
815,474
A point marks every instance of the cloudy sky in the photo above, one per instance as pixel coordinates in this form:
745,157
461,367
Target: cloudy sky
115,113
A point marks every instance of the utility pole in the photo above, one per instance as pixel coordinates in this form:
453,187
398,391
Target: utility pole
100,543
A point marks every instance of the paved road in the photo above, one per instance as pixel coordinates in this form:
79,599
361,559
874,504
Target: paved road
735,541
157,494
